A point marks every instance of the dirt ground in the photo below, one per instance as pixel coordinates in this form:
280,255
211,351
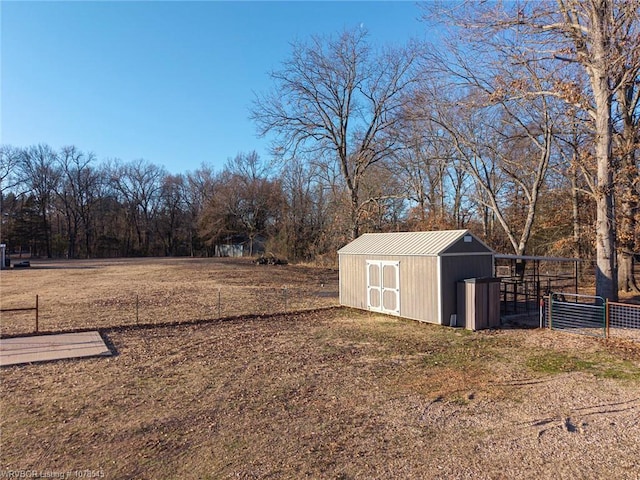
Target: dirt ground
334,393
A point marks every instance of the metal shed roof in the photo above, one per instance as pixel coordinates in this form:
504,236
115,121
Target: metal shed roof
407,243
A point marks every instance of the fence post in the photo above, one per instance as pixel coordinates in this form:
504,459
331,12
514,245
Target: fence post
550,310
37,319
286,306
606,318
541,303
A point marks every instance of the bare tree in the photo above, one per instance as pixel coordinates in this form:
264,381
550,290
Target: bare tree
173,218
577,166
78,191
335,98
140,184
601,38
502,138
433,183
304,215
9,163
246,203
9,174
252,198
200,190
41,176
627,178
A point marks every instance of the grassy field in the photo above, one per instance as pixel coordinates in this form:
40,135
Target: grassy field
107,293
332,393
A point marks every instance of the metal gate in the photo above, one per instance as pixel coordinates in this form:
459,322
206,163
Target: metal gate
582,314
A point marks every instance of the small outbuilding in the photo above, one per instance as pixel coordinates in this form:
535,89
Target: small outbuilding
411,274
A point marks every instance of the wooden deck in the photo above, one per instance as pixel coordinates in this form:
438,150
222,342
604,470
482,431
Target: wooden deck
44,348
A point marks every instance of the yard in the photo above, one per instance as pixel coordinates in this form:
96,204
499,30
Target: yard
325,393
106,293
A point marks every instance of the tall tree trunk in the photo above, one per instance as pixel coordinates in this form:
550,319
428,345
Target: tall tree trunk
575,212
626,280
355,221
46,230
629,203
628,182
606,267
606,280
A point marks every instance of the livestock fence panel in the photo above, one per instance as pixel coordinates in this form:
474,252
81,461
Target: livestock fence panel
623,320
581,314
590,315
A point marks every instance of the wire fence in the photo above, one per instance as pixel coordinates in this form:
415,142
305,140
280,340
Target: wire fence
581,314
163,307
15,310
591,315
624,320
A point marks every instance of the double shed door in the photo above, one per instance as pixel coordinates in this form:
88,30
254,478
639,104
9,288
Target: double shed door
383,286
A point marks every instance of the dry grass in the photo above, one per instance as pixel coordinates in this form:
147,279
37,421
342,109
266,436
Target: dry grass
107,293
328,394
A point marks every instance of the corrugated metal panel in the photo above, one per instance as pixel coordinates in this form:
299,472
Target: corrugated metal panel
403,243
418,285
419,288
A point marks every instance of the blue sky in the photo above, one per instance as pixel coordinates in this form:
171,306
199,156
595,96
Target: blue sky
169,82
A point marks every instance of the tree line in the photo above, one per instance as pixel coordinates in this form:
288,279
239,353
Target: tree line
65,203
522,126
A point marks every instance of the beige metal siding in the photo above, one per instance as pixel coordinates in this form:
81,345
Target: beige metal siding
424,288
353,281
419,288
418,284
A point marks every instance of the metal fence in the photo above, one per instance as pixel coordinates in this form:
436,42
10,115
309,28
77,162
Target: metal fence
520,296
623,320
590,315
581,314
164,307
25,309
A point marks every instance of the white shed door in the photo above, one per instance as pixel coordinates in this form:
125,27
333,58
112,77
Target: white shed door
383,286
374,286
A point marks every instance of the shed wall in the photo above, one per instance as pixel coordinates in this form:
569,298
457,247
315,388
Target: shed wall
353,281
418,284
455,269
419,289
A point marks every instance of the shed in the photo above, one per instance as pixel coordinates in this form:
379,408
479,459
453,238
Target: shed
228,250
411,274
